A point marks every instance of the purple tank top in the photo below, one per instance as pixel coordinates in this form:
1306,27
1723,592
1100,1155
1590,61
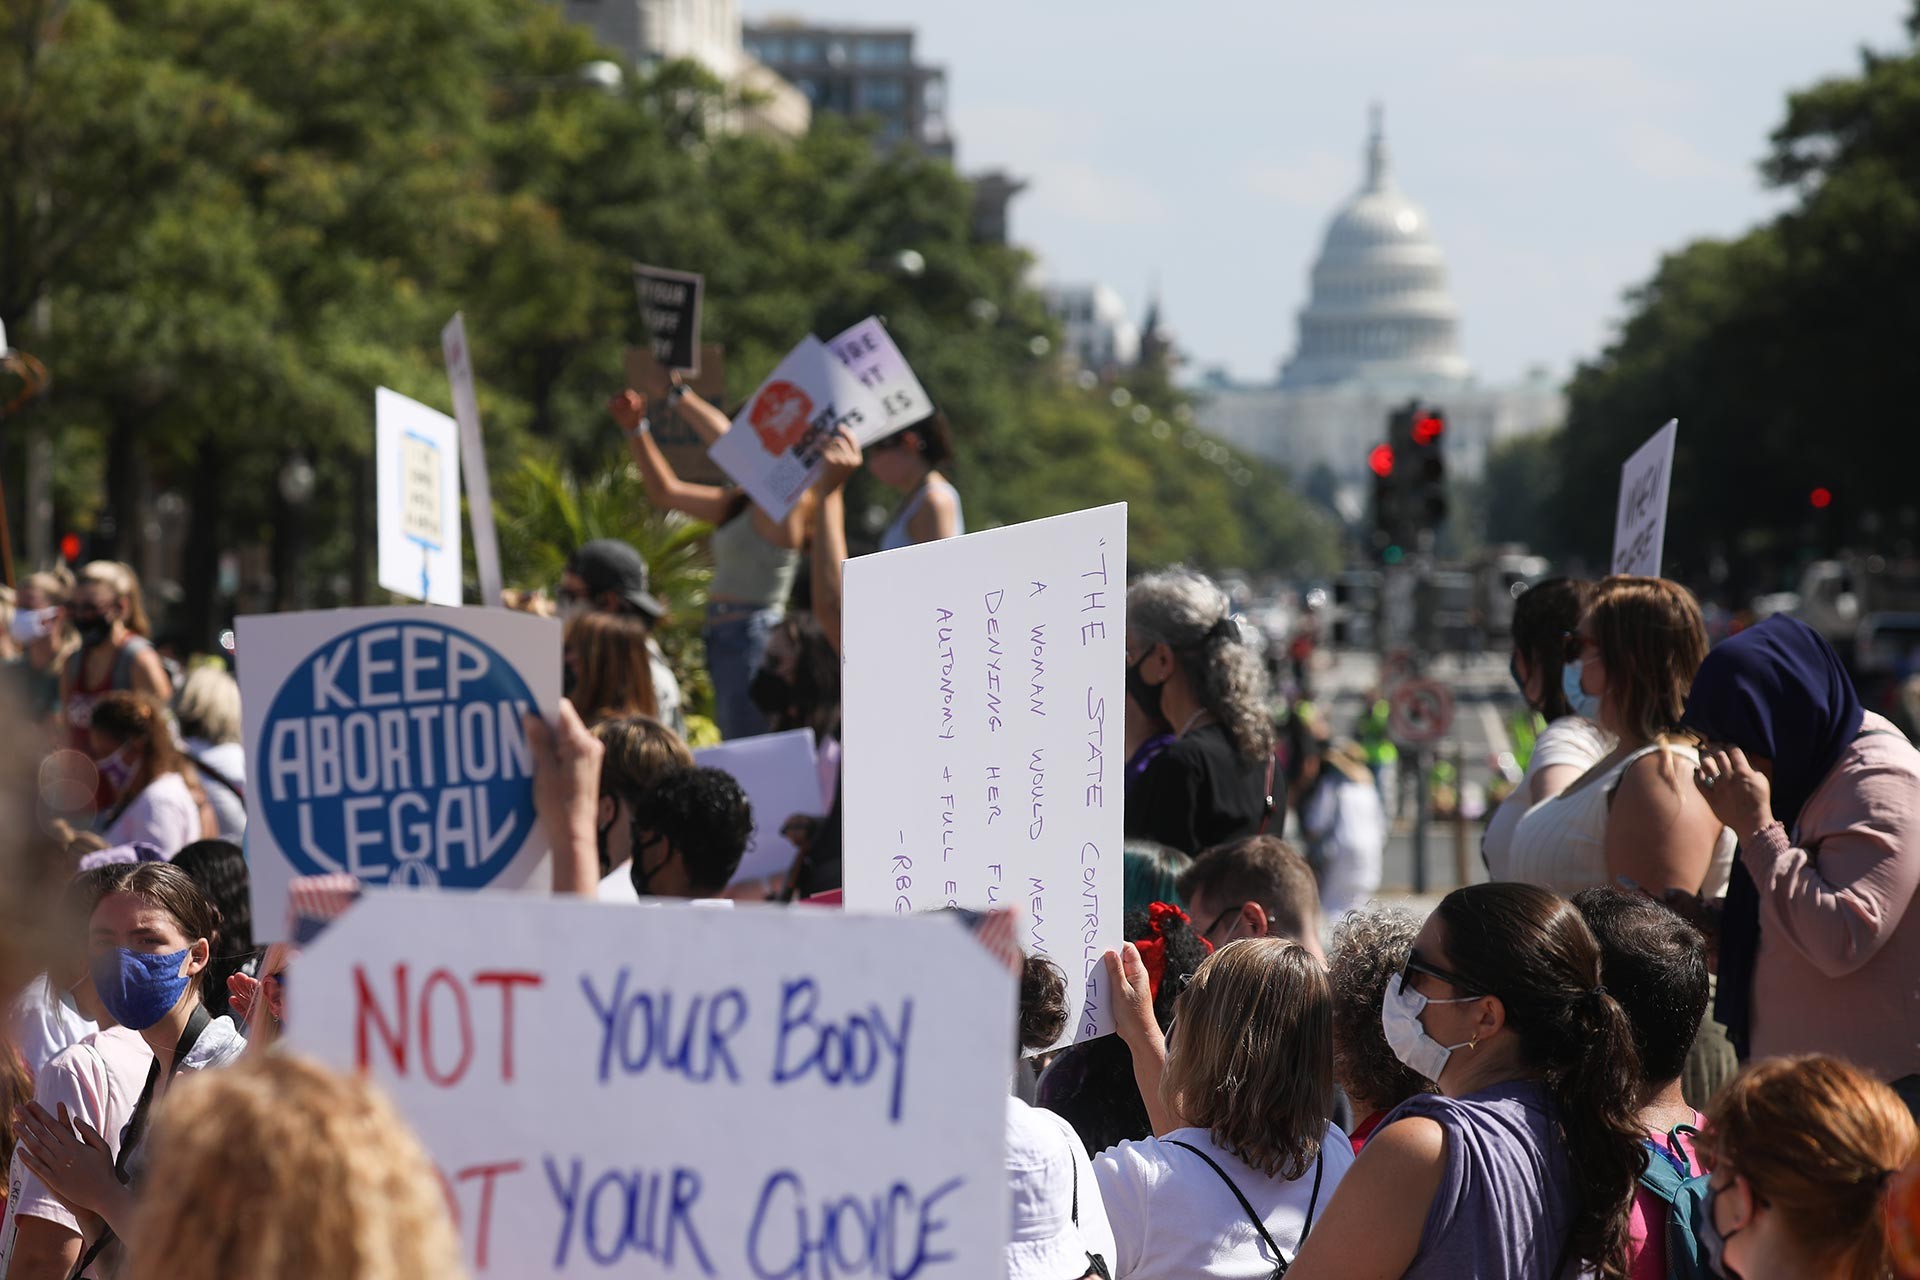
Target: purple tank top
1505,1200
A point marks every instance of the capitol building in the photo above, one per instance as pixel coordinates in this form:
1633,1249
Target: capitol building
1379,328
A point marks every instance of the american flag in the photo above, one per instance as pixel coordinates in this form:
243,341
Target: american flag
314,902
999,932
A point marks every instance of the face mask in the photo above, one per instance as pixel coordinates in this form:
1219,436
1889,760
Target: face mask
30,625
771,692
1400,1022
1584,704
116,770
92,628
643,874
137,988
1717,1243
572,607
1145,696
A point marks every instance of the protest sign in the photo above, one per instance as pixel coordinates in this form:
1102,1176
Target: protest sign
869,350
473,457
386,744
773,449
982,704
780,772
1640,522
670,309
733,1094
417,490
683,447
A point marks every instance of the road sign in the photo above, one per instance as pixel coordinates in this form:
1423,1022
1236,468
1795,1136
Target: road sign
1422,712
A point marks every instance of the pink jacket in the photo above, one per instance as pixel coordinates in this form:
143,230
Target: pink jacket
1839,964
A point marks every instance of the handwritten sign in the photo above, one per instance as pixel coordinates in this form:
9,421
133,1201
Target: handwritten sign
416,487
983,684
685,450
869,350
780,773
1640,523
670,308
818,1096
473,456
386,744
773,449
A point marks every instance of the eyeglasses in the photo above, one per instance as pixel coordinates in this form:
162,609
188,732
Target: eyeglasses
890,443
1207,932
1416,965
1574,646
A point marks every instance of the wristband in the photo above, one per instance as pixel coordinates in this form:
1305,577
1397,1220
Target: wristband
640,428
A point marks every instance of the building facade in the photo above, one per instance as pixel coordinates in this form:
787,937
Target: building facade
1095,328
1379,328
866,72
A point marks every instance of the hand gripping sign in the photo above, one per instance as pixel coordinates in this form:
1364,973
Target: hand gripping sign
386,744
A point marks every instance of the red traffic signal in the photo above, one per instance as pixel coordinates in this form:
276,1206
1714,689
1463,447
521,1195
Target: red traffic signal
1820,499
70,548
1427,428
1380,460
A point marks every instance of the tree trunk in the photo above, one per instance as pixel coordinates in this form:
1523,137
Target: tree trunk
206,536
119,525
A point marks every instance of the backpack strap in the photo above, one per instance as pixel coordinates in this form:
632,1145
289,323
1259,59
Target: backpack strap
1319,1167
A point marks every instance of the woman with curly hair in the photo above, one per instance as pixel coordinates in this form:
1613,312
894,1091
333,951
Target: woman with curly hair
1369,948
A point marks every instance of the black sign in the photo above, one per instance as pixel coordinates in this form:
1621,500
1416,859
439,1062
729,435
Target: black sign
670,308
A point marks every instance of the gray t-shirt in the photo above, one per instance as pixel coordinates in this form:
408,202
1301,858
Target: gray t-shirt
1505,1201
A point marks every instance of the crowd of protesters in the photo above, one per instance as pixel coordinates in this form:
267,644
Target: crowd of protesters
1677,1032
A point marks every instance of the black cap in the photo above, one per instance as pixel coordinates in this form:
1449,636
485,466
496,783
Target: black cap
607,564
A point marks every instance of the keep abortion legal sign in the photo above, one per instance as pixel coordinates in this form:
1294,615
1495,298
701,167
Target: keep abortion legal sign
387,744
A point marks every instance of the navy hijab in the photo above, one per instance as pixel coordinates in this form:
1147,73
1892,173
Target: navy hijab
1776,690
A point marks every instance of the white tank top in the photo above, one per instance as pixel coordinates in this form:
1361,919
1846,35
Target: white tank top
1560,843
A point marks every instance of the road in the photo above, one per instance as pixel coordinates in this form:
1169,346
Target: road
1483,699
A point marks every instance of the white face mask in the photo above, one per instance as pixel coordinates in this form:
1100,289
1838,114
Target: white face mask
1407,1037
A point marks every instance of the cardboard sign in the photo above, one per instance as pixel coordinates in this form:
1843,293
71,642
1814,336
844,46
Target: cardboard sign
386,744
730,1094
773,449
869,350
670,308
473,457
685,450
780,772
1640,522
982,702
417,492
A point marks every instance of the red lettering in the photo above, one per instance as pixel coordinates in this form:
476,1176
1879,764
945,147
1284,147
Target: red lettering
484,1224
441,978
366,1007
506,981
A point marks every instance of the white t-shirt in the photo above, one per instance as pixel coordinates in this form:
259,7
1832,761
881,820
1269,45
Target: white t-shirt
1569,740
618,887
1173,1217
1346,825
165,814
99,1079
1044,1219
40,1025
229,759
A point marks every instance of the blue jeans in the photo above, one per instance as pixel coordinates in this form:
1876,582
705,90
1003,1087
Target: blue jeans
736,639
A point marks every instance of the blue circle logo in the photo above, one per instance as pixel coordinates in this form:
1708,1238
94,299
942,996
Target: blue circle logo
394,753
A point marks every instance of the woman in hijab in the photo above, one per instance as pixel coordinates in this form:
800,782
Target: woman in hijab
1819,950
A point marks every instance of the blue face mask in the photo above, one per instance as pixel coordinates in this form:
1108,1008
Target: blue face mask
138,988
1584,704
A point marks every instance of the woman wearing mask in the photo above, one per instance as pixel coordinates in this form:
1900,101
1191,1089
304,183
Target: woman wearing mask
1819,941
1571,744
1524,1163
1802,1151
114,653
606,655
150,939
1245,1159
1187,665
46,642
154,797
754,557
1634,814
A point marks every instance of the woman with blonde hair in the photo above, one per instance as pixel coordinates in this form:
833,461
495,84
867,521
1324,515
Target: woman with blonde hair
611,669
39,627
281,1167
208,710
115,655
1801,1153
1636,813
1243,1155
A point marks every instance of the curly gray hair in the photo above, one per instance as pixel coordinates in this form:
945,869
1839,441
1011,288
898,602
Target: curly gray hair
1369,947
1190,614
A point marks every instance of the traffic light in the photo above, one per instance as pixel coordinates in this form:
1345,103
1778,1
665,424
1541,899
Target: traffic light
1427,431
1393,466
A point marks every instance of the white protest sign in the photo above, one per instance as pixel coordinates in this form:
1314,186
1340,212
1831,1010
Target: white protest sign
417,491
473,457
780,772
982,704
734,1094
869,350
386,744
1640,522
773,449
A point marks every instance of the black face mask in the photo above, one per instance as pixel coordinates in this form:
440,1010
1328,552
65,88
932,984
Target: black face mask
771,692
1145,696
643,874
92,628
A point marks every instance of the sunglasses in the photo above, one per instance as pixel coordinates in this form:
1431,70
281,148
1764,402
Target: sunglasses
1416,965
1574,646
888,445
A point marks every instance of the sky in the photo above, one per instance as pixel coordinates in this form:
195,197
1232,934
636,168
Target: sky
1557,149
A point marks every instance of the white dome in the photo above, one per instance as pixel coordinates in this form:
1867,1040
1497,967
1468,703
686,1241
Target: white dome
1379,310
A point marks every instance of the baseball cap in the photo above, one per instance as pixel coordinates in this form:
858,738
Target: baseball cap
607,564
1046,1242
